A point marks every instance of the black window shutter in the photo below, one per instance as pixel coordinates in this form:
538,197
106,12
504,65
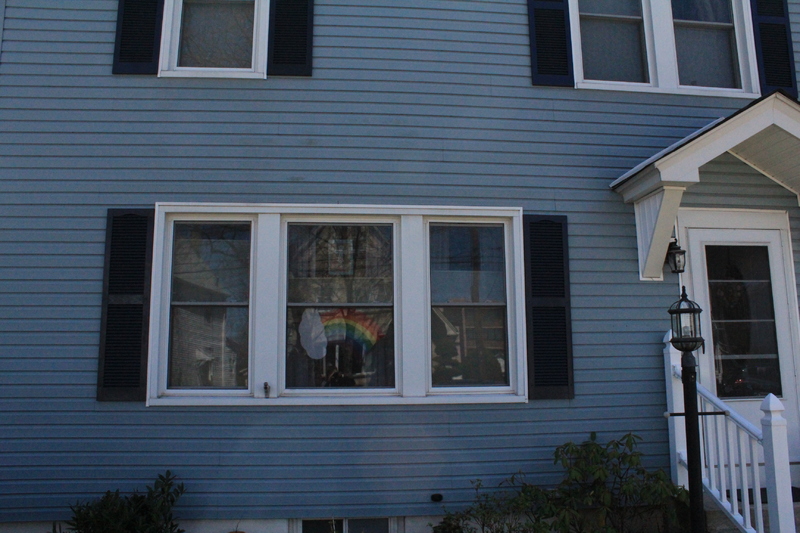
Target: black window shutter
547,307
138,36
291,34
126,305
551,48
774,46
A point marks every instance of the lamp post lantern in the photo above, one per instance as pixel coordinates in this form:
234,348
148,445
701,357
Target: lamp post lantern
686,337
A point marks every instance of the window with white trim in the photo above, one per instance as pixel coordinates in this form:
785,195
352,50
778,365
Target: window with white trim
336,304
690,46
214,38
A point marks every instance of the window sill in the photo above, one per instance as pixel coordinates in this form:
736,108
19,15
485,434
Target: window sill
212,73
209,401
681,90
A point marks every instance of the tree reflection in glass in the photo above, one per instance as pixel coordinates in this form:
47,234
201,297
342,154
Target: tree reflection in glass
468,315
340,292
209,318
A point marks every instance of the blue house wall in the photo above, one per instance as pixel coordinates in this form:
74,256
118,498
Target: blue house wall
428,102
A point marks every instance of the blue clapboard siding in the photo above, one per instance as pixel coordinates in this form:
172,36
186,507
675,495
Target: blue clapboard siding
419,102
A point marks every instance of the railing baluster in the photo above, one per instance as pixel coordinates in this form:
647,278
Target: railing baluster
731,469
743,472
758,509
719,424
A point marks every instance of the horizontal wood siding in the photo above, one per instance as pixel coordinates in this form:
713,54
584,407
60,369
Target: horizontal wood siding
417,102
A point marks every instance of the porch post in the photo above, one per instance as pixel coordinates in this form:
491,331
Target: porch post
776,465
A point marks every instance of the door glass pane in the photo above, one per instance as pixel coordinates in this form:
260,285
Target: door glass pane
707,26
340,316
743,321
468,316
209,316
612,40
217,33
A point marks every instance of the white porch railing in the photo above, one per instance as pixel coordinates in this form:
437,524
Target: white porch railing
739,459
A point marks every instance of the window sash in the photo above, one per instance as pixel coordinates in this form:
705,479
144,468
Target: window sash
661,56
171,46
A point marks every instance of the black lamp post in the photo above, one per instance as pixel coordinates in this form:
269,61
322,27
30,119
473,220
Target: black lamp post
685,315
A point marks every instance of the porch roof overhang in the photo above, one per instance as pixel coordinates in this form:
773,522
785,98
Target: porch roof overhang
765,135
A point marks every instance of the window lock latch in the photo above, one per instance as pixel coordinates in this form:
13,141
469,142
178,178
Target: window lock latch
266,389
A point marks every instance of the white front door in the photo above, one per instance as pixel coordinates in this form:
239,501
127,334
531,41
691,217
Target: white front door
740,271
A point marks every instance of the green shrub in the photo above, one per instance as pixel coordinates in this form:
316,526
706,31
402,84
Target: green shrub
135,513
605,489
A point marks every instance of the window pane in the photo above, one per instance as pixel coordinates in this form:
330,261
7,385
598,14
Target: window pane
340,264
208,347
742,319
209,316
468,346
631,8
339,347
702,10
368,525
716,66
211,262
323,526
217,33
467,264
613,49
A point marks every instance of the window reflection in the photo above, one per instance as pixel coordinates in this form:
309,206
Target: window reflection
468,315
340,316
743,321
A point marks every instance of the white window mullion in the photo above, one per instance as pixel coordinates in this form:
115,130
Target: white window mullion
575,37
746,47
266,311
412,301
663,52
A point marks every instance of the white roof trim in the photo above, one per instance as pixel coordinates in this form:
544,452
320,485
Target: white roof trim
656,185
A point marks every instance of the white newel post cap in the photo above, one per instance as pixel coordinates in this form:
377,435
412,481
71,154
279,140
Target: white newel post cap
772,408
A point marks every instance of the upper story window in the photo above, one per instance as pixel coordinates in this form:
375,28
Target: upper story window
689,46
215,38
333,305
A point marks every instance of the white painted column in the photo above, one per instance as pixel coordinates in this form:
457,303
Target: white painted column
776,459
677,429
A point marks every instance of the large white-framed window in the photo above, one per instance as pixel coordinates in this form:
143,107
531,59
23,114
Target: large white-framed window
702,47
322,304
215,38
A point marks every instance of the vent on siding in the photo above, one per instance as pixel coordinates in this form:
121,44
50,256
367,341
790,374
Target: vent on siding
291,35
547,307
123,332
138,36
